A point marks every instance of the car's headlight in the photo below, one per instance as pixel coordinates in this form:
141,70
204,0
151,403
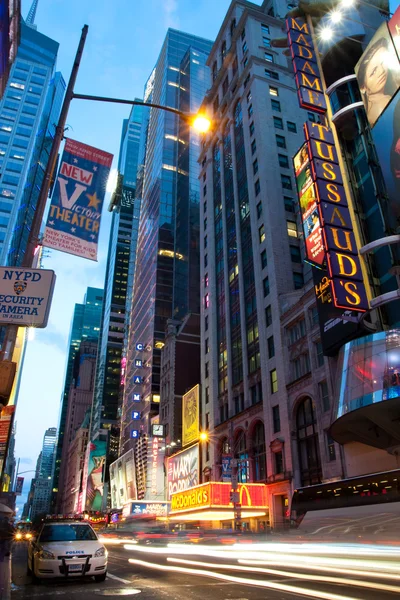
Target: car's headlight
100,552
28,536
18,536
45,554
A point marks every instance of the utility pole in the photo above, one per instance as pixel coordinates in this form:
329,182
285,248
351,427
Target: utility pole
33,239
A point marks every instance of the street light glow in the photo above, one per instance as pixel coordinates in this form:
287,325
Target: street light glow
203,436
201,123
336,16
326,33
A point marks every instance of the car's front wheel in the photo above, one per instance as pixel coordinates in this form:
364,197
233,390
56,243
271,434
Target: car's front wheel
100,578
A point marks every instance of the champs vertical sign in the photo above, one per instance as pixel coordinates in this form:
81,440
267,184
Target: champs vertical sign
338,241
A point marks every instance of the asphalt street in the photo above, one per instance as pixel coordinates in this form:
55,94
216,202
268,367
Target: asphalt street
156,573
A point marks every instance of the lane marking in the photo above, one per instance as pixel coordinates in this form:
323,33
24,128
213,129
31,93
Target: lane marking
115,578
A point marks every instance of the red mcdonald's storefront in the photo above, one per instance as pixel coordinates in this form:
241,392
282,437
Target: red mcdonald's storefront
211,502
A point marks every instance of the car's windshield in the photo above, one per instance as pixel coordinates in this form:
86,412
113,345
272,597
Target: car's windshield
67,533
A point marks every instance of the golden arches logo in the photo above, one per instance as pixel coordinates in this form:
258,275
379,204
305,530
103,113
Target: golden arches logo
245,489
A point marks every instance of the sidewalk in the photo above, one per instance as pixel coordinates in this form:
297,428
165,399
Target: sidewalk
5,575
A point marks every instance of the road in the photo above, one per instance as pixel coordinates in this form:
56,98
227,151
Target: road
158,573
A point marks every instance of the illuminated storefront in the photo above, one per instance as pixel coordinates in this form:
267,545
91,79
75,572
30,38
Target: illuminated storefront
212,502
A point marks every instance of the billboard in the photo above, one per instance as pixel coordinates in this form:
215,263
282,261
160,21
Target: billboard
378,72
219,495
123,480
19,486
155,488
191,416
25,296
183,470
5,423
314,246
149,509
95,480
73,222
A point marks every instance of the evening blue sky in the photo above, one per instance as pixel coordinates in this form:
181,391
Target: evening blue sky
124,40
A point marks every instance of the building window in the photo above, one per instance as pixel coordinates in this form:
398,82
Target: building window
242,457
263,259
324,395
307,441
291,228
268,316
278,459
273,91
319,354
278,123
206,346
243,34
286,183
206,280
206,323
251,128
223,51
205,260
259,210
276,419
295,254
261,233
249,97
253,394
272,74
271,347
264,29
298,281
269,57
313,117
235,67
330,444
246,60
244,48
253,146
207,393
280,141
300,366
297,331
205,241
276,105
207,370
259,455
205,206
291,126
283,161
266,286
273,379
214,71
216,105
246,81
255,167
314,318
257,187
205,190
289,203
205,223
225,85
266,42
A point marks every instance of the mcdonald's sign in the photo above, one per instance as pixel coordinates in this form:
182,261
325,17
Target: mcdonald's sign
218,495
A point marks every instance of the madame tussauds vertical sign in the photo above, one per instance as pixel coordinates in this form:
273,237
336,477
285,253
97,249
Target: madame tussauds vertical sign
328,196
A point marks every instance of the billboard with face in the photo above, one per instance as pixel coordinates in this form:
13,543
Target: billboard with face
95,482
378,74
123,480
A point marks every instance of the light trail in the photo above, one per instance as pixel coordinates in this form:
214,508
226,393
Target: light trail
341,580
245,581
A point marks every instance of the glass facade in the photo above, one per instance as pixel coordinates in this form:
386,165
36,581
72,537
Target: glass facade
85,325
153,297
28,110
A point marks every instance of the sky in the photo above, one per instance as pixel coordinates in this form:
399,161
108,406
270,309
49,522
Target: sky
123,43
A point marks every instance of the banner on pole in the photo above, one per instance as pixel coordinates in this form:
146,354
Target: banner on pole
73,222
19,486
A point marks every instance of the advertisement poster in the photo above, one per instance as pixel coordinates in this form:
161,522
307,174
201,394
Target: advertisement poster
95,480
183,471
190,416
25,296
19,486
378,73
73,222
394,28
226,468
155,489
123,480
308,207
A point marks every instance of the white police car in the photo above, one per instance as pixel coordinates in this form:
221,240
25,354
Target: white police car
67,549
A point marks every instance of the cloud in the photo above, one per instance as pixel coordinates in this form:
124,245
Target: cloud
170,17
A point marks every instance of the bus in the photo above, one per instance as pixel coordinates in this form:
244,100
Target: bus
358,509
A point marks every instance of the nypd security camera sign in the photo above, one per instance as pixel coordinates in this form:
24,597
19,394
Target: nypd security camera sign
25,296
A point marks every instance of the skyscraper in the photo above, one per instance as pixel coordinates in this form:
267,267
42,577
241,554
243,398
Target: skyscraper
10,18
170,199
28,111
43,483
85,325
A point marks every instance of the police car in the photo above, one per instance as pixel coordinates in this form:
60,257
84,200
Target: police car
67,549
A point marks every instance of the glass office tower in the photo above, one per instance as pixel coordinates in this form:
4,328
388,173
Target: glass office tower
157,255
28,110
118,279
85,325
42,491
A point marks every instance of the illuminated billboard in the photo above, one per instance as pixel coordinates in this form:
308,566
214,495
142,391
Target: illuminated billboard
95,481
191,416
378,73
219,495
183,470
123,480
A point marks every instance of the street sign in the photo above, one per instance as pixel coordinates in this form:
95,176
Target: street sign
25,296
